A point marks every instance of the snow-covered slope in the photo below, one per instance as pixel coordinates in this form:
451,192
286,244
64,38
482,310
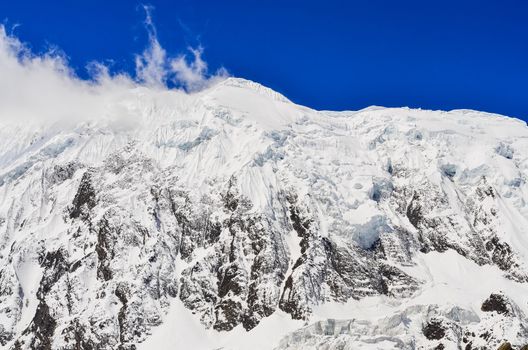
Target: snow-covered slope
233,218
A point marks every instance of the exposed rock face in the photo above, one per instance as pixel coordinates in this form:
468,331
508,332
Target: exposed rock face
241,205
84,199
497,303
434,330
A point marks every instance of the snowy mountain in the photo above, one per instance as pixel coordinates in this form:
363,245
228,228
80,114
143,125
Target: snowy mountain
233,218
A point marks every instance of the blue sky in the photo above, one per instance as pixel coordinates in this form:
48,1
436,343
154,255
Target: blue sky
324,54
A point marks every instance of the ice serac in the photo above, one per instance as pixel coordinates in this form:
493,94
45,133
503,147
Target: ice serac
233,218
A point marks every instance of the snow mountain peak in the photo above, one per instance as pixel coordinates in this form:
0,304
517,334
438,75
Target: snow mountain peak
234,218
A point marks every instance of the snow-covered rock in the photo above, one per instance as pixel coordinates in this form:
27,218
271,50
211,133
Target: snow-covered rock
233,218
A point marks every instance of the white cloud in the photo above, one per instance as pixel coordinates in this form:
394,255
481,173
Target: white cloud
154,68
42,86
192,75
45,87
151,67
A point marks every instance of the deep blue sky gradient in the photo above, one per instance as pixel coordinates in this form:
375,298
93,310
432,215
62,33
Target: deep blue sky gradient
324,54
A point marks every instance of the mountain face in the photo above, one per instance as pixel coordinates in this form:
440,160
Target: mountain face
233,218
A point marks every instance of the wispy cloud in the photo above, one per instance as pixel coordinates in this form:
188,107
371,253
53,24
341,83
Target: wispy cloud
192,74
155,68
151,65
